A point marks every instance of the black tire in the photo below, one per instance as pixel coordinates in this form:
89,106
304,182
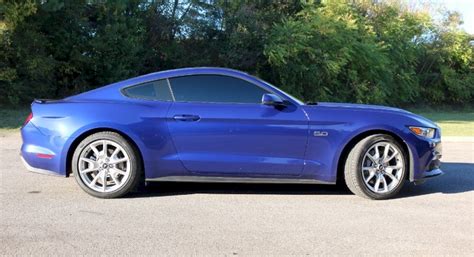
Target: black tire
353,168
135,176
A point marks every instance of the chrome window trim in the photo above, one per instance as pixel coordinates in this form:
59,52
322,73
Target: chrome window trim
171,89
277,91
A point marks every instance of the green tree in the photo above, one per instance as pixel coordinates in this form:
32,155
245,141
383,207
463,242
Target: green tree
329,52
356,51
446,67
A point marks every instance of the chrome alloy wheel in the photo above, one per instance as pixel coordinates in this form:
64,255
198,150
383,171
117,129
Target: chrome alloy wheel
104,166
382,167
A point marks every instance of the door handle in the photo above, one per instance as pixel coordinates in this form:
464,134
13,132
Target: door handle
186,117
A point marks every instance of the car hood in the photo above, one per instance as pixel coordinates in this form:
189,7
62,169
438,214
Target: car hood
419,120
362,107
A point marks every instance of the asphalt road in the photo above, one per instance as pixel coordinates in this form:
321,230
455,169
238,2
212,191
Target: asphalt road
45,215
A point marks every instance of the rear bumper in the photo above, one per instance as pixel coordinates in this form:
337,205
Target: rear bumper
41,153
38,170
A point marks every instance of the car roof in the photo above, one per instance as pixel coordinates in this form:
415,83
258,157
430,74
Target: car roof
112,91
184,72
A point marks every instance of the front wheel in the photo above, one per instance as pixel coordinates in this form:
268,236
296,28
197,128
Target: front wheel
105,165
375,168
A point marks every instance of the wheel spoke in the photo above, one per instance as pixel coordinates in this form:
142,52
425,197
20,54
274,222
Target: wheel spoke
372,158
87,160
377,153
104,180
104,147
395,153
88,170
377,184
118,160
371,175
385,152
385,186
94,181
396,167
96,152
121,172
116,151
114,179
392,177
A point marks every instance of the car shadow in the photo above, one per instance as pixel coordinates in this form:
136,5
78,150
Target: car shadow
458,178
156,189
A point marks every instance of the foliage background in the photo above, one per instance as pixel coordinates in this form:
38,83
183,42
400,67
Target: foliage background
354,51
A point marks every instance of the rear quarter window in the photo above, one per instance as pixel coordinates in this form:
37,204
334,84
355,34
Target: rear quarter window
156,90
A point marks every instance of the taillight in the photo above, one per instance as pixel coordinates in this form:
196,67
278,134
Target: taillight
30,116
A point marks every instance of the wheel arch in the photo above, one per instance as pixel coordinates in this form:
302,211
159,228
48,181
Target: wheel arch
84,134
354,140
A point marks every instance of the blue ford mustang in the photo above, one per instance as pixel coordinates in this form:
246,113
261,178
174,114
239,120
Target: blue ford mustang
222,125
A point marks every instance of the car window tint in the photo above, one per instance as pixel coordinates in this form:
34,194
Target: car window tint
215,88
162,90
156,90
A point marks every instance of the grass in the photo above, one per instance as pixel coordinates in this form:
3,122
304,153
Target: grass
11,119
452,123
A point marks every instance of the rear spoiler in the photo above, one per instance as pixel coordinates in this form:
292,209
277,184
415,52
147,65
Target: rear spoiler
43,101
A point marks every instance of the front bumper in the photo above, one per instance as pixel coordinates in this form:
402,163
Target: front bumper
428,175
430,161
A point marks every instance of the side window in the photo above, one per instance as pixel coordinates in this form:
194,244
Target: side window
216,89
156,90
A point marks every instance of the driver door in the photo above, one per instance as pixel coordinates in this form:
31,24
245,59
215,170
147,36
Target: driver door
220,127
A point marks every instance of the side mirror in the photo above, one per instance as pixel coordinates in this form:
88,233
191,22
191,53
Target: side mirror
271,99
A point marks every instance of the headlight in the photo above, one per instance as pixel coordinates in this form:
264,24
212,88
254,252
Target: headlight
423,132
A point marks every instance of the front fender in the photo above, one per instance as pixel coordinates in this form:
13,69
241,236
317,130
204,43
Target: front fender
324,153
362,132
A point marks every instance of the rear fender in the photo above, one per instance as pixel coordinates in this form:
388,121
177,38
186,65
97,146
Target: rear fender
100,126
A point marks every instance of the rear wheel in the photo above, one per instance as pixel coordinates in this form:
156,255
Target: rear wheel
376,167
105,165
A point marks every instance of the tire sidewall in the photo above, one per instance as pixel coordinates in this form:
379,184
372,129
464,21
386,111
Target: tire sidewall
134,164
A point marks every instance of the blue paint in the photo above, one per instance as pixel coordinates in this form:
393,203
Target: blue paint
220,139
